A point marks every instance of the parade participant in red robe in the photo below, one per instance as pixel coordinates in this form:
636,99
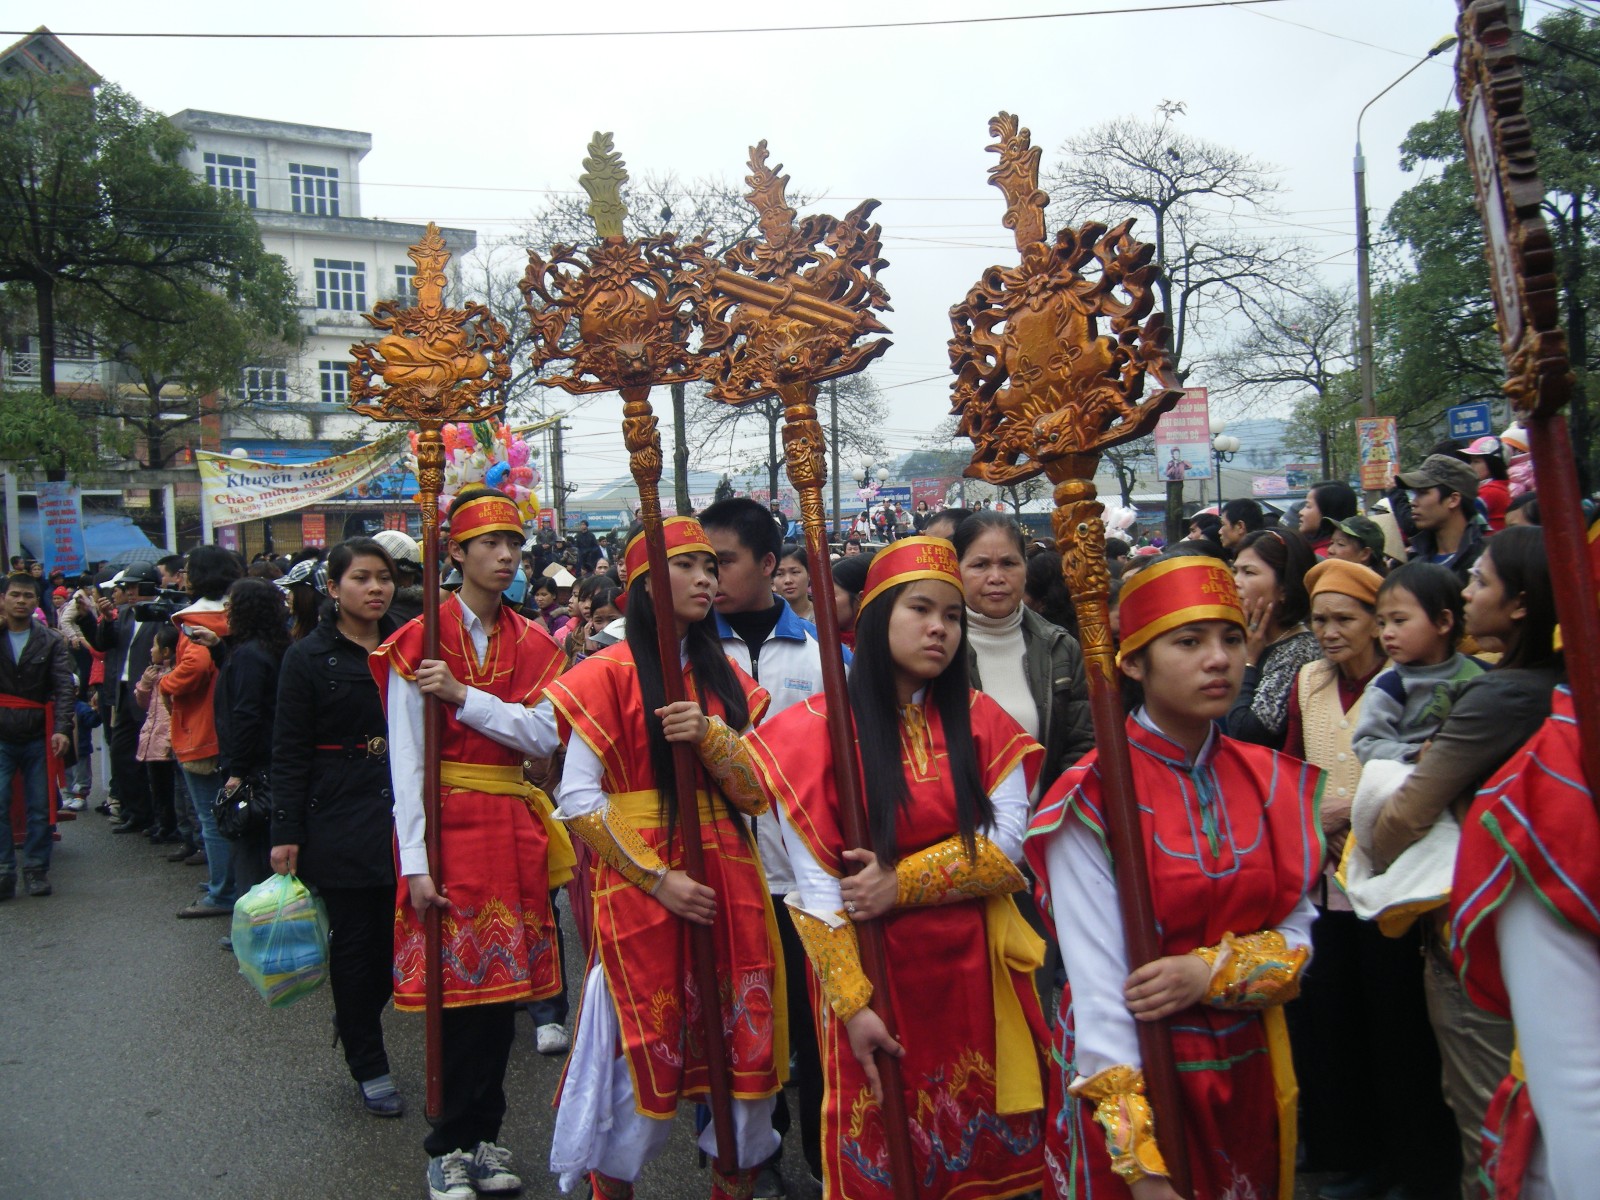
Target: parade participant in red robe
638,1049
947,774
1233,845
501,850
1525,927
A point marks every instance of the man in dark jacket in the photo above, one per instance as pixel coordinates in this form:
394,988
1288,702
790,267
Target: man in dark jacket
1443,492
37,692
126,643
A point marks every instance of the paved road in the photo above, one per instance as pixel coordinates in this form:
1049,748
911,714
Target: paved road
136,1063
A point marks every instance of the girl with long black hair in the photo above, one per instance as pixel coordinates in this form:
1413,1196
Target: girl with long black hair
637,1049
946,809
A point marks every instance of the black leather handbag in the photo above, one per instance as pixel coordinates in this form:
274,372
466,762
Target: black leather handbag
243,809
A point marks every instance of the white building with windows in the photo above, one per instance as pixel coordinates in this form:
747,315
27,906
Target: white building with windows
303,185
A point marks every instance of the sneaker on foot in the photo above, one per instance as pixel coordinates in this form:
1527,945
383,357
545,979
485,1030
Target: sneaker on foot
196,859
72,804
8,885
489,1170
38,883
551,1039
447,1177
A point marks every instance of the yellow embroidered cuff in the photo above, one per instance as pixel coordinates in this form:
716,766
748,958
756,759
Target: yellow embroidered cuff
1255,971
943,872
836,957
1125,1117
727,758
618,845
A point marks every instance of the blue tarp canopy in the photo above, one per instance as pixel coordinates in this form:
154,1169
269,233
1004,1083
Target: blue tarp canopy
107,537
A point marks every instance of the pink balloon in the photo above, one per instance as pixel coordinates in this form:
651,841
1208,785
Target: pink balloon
522,475
517,453
509,489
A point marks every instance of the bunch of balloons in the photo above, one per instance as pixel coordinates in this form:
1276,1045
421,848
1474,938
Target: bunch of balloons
489,453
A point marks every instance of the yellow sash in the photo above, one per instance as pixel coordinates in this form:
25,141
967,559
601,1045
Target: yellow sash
642,809
509,781
1013,946
1287,1090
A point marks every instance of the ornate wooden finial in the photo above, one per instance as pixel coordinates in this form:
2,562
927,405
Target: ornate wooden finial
1017,176
791,305
603,177
434,365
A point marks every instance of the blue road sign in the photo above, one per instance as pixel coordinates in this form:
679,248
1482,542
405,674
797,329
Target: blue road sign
1469,420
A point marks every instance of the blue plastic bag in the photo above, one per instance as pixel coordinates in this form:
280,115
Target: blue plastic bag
280,937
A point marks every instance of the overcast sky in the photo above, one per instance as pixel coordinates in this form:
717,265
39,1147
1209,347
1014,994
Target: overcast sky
473,132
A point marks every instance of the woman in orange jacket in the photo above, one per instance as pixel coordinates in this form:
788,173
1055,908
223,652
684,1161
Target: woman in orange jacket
187,691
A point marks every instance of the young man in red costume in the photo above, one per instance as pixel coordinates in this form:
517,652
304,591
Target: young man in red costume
637,1051
501,851
1233,843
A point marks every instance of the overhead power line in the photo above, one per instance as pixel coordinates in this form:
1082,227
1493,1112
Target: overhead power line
461,35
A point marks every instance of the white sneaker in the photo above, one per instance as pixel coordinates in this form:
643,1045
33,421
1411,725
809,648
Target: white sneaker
552,1039
447,1177
489,1170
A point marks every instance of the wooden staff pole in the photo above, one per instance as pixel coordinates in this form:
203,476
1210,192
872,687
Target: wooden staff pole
645,463
430,478
1081,534
803,442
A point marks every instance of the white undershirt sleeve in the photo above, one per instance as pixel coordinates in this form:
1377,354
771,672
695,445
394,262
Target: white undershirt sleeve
405,773
815,892
530,730
1083,897
1543,959
1010,800
580,792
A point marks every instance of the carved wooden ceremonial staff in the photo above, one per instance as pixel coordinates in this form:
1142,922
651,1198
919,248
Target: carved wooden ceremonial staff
1539,381
783,312
1038,388
437,365
630,304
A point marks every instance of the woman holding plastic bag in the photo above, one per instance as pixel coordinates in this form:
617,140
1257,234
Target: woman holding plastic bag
331,819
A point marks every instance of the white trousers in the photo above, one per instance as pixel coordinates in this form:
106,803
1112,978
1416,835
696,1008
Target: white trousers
598,1125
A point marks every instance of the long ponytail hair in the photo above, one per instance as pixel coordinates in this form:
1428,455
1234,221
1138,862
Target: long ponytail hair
713,675
875,702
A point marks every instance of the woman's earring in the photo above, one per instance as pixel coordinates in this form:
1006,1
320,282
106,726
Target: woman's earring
336,606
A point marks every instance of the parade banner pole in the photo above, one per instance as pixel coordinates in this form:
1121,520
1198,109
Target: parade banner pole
436,365
628,304
1539,380
780,314
1040,389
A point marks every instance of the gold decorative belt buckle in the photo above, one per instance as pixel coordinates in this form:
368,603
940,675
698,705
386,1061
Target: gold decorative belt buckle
377,747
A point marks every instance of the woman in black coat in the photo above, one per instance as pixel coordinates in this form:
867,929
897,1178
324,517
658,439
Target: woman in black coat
332,819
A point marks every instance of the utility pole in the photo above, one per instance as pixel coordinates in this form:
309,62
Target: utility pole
558,477
833,437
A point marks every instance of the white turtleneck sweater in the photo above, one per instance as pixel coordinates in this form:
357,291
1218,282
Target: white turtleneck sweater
997,642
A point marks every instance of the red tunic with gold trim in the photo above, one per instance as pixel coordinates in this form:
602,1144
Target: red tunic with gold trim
642,947
1532,825
1233,843
960,975
499,939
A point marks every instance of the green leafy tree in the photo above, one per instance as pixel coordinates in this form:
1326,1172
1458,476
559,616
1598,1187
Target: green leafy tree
1435,317
37,430
99,211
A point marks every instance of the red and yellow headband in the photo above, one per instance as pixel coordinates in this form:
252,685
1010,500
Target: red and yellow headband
484,514
683,535
1177,592
909,559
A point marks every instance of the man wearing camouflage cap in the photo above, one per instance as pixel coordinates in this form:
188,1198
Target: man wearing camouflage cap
1444,495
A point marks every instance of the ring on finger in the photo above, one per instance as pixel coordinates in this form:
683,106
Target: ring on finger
850,906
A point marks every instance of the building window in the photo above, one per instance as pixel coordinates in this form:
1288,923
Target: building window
314,190
233,174
335,377
265,385
341,284
403,291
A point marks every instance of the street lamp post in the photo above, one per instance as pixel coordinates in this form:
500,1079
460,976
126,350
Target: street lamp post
1369,404
1223,447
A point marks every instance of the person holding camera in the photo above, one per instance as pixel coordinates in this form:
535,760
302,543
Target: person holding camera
125,639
